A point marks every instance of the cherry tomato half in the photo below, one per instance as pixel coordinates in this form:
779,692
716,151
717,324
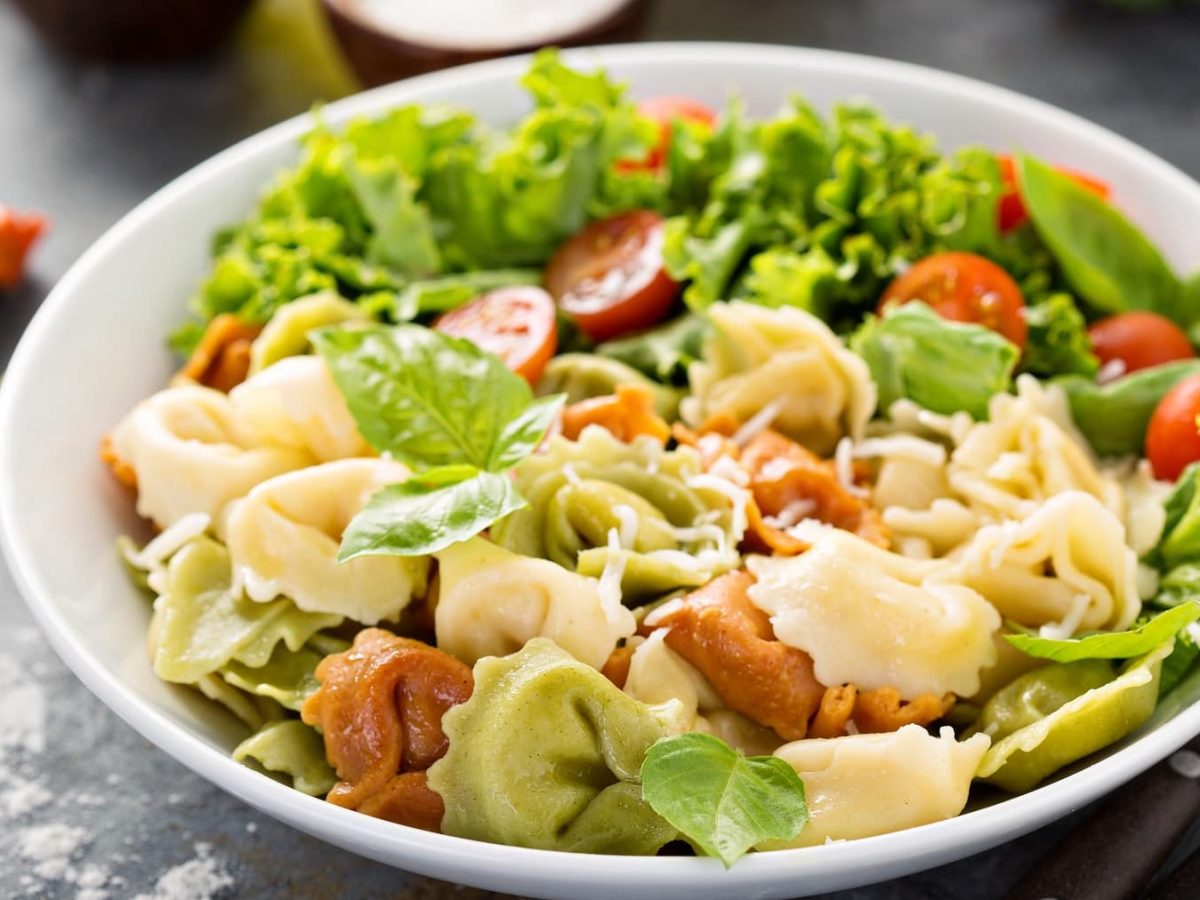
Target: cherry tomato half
963,287
664,110
609,278
518,324
1012,207
1173,438
1140,340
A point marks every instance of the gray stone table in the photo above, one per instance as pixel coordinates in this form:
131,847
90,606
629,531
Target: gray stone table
88,808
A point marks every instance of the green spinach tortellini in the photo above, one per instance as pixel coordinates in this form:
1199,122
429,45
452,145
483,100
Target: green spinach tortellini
291,750
674,527
582,376
1059,713
547,754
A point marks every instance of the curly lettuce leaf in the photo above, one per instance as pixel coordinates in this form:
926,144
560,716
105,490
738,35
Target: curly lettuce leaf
1058,342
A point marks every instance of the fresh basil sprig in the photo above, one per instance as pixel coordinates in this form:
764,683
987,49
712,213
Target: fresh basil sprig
452,412
1110,644
722,802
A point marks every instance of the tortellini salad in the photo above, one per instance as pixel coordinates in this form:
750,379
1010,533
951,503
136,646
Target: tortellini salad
554,486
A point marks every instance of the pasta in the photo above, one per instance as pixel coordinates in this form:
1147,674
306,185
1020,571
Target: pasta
785,357
189,454
380,708
546,754
283,541
529,485
863,785
876,619
1092,580
674,526
540,600
294,403
1057,714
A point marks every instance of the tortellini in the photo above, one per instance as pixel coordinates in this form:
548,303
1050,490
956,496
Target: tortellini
597,502
547,754
287,332
296,404
492,601
201,625
1067,563
876,619
785,358
1059,713
582,376
867,784
284,535
1026,453
290,748
191,454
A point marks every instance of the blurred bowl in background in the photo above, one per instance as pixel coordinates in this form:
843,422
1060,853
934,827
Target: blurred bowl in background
386,40
133,30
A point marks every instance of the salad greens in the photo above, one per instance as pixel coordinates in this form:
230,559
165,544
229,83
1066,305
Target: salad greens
1105,259
1110,644
944,366
721,801
1113,416
1058,341
451,411
1180,540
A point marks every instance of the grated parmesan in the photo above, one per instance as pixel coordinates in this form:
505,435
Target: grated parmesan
609,585
1070,622
902,446
793,513
163,546
758,423
843,461
571,475
1111,371
628,519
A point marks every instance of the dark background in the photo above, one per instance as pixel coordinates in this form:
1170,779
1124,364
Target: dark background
85,142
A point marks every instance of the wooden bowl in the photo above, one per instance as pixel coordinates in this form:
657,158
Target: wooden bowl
379,56
133,30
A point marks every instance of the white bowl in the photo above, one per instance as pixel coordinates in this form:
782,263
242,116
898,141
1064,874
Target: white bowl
96,347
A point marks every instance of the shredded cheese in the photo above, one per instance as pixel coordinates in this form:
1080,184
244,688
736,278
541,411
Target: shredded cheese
738,497
1111,371
1070,622
758,423
843,461
609,585
628,518
793,513
901,446
571,475
164,545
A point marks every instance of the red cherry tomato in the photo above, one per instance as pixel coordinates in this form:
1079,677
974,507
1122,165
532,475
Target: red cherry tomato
664,110
963,287
609,278
1012,207
1140,340
518,324
18,233
1173,438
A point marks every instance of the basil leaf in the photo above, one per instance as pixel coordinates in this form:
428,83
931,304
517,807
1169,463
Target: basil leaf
723,802
1110,645
430,399
1105,258
943,366
1113,417
429,512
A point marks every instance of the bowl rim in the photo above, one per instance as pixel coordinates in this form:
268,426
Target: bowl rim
492,865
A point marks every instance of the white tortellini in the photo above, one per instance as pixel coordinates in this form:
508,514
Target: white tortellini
1027,452
1067,563
492,601
868,784
283,540
295,403
876,619
786,357
191,454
